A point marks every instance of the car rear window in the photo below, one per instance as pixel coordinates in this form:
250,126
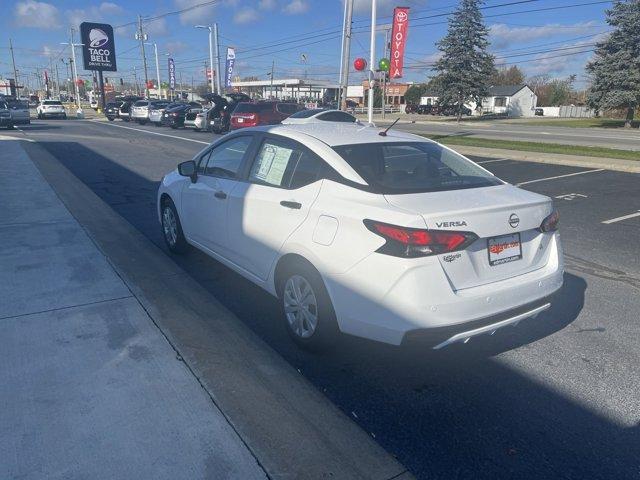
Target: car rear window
253,107
141,103
288,108
337,116
307,113
51,102
18,105
413,167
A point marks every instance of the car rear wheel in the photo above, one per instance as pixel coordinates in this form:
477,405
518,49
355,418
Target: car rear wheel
306,307
172,229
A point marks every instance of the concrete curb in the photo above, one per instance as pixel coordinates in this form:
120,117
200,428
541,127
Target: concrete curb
617,164
291,428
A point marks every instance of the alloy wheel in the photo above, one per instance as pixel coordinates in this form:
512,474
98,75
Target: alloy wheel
169,226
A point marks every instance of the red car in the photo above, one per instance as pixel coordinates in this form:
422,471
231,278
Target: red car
261,113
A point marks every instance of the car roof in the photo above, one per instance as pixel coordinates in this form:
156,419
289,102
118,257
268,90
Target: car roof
340,133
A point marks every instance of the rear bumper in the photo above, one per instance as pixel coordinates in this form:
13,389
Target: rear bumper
53,114
389,299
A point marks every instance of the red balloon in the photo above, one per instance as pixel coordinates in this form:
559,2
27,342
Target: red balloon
150,84
359,64
80,82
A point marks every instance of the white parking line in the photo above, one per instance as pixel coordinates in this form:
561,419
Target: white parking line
625,217
560,176
151,133
492,161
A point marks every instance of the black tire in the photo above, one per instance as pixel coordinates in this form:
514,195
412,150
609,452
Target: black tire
174,126
39,116
126,119
142,122
111,119
196,129
64,117
326,329
179,243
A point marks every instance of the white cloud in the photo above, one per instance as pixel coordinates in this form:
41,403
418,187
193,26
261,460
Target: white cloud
176,47
36,15
246,15
502,35
193,16
110,8
267,4
156,28
296,7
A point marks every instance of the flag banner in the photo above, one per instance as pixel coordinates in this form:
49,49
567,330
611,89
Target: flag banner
231,60
172,74
398,40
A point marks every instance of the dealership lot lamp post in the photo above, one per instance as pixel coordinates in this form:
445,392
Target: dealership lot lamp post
213,38
155,51
372,59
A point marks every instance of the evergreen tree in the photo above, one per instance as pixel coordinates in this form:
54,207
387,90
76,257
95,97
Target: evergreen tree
615,71
466,67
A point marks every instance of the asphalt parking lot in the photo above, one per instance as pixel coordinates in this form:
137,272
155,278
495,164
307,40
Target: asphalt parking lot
554,397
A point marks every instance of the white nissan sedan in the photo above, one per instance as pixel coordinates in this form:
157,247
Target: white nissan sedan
386,236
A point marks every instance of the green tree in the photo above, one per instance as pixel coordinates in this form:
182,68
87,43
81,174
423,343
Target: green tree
414,92
615,70
508,76
466,67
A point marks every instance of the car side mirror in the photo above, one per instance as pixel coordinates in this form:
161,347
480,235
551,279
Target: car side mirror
188,169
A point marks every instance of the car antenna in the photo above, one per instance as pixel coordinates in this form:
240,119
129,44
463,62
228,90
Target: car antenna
383,133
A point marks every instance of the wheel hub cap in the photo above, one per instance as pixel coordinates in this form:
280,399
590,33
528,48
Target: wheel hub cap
300,306
170,226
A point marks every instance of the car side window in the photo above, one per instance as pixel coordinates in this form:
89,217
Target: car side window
225,159
202,162
306,171
274,163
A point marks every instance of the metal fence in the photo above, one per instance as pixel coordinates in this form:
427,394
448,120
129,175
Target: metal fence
376,111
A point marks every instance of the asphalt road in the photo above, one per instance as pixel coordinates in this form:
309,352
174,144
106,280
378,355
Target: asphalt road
555,397
594,137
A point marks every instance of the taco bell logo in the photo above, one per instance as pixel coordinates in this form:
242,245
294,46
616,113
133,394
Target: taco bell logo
97,38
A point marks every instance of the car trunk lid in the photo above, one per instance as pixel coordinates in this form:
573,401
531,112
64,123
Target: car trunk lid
501,216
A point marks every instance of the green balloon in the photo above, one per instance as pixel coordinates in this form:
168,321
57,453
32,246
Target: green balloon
384,64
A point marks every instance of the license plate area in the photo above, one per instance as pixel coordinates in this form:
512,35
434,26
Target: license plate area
504,249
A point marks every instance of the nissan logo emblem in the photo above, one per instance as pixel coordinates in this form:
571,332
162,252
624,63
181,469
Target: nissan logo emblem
514,221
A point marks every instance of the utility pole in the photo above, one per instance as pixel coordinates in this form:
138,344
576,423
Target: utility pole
273,66
135,77
346,53
384,74
15,72
372,59
57,81
140,35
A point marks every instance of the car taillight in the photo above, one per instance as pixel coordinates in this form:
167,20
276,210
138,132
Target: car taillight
173,114
417,242
550,224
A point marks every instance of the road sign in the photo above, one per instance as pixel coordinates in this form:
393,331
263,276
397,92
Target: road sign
99,47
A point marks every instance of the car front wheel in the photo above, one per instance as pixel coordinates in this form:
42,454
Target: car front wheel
172,229
308,313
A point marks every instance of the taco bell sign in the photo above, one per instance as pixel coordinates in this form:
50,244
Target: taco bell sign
98,47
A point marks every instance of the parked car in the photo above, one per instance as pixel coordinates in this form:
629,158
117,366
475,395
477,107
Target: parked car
5,115
51,108
111,110
218,116
19,109
156,113
452,110
539,112
190,117
140,111
175,116
125,109
394,238
261,113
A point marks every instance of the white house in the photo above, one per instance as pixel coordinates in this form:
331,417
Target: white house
514,100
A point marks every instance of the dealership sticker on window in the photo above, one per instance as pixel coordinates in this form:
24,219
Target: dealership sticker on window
504,249
273,162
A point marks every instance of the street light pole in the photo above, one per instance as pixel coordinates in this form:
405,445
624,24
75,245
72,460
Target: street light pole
79,111
213,32
372,59
155,51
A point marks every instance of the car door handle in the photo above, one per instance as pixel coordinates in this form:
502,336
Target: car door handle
220,194
293,205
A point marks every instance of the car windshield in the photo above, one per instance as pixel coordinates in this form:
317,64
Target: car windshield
413,167
158,106
18,105
51,102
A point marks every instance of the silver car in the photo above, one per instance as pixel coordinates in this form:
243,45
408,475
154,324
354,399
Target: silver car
5,115
140,111
156,109
19,110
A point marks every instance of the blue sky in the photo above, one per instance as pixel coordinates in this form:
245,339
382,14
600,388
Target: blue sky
543,42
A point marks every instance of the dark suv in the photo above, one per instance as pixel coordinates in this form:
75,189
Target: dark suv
262,113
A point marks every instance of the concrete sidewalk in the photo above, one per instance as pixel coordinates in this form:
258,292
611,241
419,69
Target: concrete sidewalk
89,386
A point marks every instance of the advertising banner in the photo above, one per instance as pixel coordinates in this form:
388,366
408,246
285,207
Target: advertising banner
99,47
398,40
231,60
172,74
